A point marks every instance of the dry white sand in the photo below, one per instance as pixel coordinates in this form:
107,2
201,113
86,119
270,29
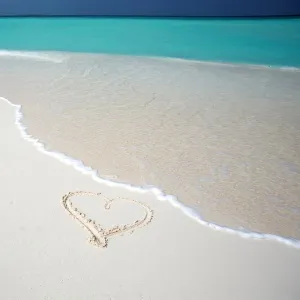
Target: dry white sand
44,252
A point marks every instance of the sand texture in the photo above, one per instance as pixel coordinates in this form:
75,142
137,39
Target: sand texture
44,253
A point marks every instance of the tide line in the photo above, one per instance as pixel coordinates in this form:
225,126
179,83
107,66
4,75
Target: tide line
54,58
159,194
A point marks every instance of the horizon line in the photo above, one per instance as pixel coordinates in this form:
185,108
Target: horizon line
150,16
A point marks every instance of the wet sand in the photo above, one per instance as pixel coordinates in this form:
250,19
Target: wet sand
224,139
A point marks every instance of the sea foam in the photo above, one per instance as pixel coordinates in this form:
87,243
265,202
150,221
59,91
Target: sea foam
59,57
53,57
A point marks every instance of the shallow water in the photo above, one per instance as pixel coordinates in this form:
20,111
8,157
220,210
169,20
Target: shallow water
256,41
223,138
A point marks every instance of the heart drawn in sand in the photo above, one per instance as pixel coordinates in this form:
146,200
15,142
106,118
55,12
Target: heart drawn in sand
100,235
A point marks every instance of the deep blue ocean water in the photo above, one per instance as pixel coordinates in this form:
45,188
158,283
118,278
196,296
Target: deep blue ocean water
274,42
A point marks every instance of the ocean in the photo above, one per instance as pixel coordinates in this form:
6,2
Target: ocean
205,110
270,42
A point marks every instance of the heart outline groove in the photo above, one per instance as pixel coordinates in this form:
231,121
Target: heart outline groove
100,235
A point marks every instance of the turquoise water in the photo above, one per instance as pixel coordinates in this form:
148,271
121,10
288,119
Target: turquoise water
274,42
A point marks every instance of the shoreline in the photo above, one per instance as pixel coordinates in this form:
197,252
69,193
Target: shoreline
44,55
157,192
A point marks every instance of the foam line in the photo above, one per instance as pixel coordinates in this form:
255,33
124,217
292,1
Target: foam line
229,64
60,56
160,195
54,58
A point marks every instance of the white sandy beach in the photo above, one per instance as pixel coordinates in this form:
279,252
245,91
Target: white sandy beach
45,253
